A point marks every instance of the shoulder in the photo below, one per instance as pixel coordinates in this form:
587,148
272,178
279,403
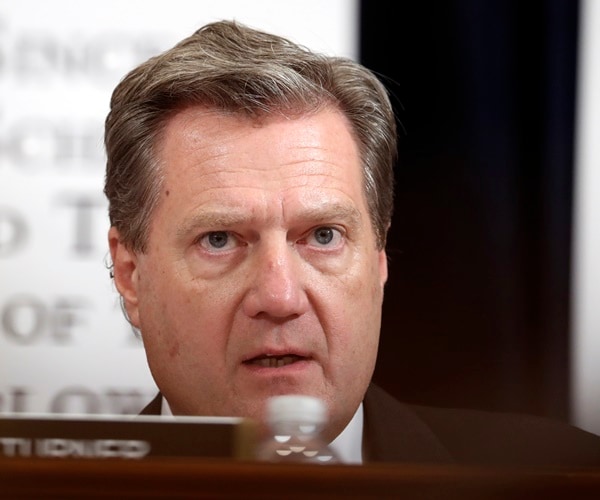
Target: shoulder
154,407
512,439
482,437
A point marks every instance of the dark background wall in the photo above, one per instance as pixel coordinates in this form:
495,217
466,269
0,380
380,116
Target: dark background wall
477,307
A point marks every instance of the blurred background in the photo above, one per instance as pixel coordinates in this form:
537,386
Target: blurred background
494,254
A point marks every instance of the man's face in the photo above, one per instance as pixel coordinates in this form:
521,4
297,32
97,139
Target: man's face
262,274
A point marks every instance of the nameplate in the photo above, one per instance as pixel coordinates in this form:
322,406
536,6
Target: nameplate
124,437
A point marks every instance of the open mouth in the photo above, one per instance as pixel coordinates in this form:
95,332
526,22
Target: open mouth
268,361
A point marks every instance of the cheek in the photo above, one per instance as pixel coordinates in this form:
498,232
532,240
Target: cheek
356,315
360,294
184,317
185,345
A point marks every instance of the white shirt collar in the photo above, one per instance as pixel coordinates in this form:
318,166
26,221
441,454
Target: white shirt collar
348,444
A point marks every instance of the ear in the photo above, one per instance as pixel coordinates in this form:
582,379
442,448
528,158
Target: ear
383,267
125,272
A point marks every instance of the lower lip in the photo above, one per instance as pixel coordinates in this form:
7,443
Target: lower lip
292,368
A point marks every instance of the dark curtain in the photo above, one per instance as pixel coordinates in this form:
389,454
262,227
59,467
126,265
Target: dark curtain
476,312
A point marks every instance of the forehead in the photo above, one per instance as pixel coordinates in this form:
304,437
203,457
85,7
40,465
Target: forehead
212,157
201,127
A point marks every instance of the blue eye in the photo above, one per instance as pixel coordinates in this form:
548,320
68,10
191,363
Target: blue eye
324,235
218,239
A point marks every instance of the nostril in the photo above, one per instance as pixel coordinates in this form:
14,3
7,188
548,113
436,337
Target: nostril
276,300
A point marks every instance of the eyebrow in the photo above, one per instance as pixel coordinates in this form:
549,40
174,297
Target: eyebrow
213,218
333,212
223,218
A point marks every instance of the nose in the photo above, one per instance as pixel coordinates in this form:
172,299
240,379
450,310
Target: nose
276,282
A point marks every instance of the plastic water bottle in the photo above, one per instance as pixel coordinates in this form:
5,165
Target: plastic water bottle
296,422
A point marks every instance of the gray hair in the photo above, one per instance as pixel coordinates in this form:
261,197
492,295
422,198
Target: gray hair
234,68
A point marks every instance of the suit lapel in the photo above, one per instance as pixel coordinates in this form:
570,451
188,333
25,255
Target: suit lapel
394,433
154,407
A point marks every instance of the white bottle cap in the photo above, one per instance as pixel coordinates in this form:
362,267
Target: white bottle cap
296,407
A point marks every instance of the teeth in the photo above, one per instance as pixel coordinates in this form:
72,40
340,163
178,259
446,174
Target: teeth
275,361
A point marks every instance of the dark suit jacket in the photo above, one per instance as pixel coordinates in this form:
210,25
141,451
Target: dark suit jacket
398,432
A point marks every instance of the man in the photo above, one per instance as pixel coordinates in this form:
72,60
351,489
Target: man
250,186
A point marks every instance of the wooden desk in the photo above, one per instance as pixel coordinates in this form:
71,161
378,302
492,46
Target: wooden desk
216,479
